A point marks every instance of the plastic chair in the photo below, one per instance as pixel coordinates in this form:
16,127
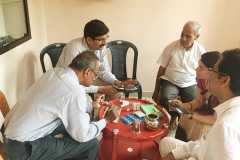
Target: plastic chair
54,51
4,109
119,50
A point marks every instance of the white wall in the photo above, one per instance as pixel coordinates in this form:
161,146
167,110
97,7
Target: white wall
149,24
20,67
2,22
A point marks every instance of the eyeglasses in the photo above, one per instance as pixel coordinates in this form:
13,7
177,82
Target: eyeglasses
95,74
210,71
102,39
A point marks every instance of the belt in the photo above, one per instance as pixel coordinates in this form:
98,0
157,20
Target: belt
13,142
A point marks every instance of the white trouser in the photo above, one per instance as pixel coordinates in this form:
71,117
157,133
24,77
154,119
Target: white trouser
167,144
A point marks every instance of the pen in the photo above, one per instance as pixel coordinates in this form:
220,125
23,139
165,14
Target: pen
105,112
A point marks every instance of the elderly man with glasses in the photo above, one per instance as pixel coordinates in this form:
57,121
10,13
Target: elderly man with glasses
176,74
95,39
222,140
51,121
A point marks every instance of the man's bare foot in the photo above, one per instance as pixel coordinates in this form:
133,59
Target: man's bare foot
173,123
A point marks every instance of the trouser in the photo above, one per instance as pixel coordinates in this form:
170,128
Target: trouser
170,91
100,82
50,148
167,144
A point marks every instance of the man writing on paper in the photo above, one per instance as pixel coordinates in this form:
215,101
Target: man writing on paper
56,104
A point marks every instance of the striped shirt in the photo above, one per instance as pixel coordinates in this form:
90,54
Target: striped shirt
76,46
55,98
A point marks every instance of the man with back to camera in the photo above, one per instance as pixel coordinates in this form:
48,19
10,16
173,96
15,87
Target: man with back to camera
222,140
95,37
56,104
176,74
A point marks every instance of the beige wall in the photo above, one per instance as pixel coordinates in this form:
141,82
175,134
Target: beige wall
20,67
149,24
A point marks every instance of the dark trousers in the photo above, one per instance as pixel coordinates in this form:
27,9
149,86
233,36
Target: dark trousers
170,91
50,148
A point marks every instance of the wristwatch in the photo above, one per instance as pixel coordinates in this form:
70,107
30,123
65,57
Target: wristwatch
117,82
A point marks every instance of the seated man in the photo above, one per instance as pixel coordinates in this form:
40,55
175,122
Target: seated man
56,104
95,37
176,73
222,140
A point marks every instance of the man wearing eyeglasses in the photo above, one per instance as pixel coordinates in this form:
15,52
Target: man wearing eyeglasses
95,39
222,140
51,120
176,74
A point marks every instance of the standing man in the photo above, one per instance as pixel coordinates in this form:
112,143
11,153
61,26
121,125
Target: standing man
95,39
222,141
56,104
176,75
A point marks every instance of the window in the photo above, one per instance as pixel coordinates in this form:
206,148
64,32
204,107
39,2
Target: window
14,24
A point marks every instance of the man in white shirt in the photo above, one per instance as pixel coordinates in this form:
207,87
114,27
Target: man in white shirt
95,38
56,104
176,74
222,140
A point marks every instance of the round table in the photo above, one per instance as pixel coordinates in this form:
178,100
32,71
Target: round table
120,143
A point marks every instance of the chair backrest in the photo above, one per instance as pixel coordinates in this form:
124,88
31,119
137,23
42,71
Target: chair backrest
3,104
119,50
190,130
4,109
54,51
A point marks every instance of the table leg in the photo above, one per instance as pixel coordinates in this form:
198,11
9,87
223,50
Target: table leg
114,144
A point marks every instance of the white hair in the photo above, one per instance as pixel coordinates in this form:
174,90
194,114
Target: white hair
196,26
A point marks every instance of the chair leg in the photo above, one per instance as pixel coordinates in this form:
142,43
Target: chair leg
126,95
139,95
140,92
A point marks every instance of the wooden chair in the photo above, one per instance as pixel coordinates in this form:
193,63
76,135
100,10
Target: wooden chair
4,109
192,128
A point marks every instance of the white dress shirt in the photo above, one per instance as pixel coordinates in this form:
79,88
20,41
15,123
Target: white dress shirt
180,64
222,141
55,98
76,46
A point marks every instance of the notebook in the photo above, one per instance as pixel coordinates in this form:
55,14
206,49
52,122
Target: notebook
151,108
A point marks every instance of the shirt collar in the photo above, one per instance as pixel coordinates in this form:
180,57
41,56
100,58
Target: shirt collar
185,48
84,42
72,73
233,102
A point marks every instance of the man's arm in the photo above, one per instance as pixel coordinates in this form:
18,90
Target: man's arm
161,72
104,70
169,157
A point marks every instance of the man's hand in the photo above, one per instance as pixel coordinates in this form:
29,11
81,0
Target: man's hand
127,84
107,90
98,101
111,114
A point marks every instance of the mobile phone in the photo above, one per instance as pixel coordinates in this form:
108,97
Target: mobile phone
177,109
119,89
